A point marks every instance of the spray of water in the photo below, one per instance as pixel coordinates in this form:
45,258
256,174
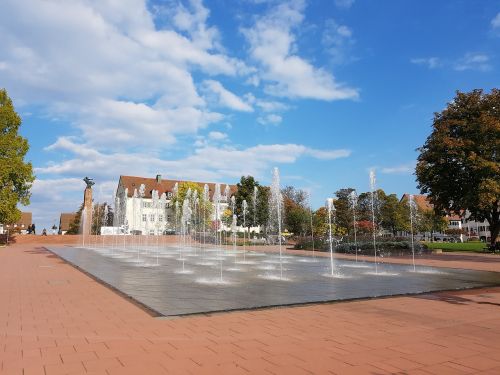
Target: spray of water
245,211
275,208
353,202
413,212
372,191
330,209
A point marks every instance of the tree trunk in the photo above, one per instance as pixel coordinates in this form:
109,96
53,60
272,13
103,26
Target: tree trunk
494,230
494,221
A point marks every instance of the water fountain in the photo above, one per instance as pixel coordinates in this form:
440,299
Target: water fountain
413,212
330,210
353,202
372,195
233,231
254,202
206,198
245,211
200,286
275,207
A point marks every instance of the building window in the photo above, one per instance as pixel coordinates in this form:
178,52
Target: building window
152,217
144,218
169,194
160,218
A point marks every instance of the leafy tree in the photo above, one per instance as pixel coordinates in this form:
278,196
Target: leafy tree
99,217
364,211
263,206
343,210
320,222
246,188
205,206
394,214
227,217
296,210
74,226
432,222
365,226
459,164
16,175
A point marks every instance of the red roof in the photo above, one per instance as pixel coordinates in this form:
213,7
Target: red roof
65,220
421,201
164,186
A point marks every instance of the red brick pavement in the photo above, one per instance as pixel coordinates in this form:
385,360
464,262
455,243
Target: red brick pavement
56,320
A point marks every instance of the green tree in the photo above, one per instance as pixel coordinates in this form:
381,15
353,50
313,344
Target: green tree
459,164
74,226
296,211
16,175
431,222
246,188
205,207
263,206
394,214
99,217
343,210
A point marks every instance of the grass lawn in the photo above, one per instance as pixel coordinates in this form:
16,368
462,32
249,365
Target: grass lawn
458,246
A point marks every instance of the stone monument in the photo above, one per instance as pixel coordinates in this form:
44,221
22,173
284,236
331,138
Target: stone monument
86,219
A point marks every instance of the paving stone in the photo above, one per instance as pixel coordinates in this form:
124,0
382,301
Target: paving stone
71,321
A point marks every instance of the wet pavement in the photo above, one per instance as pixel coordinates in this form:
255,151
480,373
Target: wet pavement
174,281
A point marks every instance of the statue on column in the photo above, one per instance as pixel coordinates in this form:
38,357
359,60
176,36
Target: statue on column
89,181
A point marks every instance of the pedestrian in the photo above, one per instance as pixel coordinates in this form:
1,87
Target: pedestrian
44,232
33,230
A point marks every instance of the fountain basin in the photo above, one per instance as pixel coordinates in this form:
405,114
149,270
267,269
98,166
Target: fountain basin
170,293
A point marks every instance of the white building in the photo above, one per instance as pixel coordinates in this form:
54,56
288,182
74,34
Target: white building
144,205
472,230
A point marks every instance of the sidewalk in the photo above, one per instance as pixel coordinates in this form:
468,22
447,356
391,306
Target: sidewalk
56,320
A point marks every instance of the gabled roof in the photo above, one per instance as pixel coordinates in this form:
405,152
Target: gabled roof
24,221
164,186
65,220
421,201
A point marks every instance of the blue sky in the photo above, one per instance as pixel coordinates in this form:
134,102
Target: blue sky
212,90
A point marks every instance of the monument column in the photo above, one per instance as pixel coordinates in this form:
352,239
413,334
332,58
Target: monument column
86,219
87,211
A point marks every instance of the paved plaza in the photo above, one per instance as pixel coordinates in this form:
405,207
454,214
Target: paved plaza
55,319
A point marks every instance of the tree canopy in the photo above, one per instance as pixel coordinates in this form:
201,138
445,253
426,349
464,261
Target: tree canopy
296,210
16,175
459,164
246,188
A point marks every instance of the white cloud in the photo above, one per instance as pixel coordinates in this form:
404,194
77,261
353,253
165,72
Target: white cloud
217,136
337,40
399,169
430,62
206,163
328,154
270,119
272,46
495,22
473,61
271,106
225,97
107,68
344,4
51,197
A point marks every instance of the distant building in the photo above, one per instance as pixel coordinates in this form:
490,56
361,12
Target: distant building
139,214
471,228
65,221
21,225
